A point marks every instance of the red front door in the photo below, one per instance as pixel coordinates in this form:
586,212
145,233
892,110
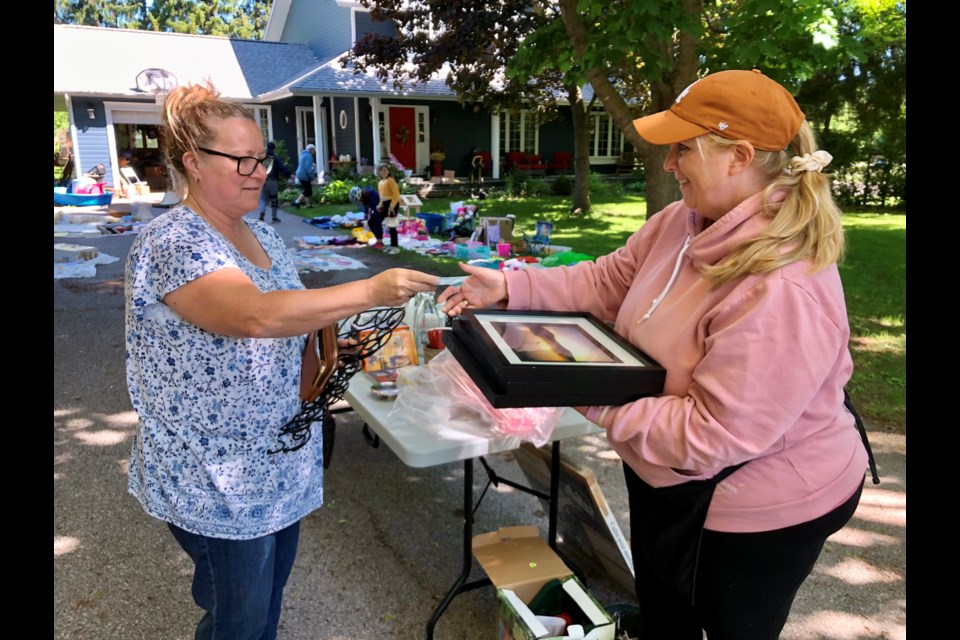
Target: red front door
403,136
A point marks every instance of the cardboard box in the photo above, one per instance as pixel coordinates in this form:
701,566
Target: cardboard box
517,620
519,563
517,558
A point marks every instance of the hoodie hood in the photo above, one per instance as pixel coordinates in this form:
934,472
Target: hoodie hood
711,245
745,221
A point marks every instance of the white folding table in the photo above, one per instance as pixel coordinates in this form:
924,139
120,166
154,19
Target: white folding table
420,446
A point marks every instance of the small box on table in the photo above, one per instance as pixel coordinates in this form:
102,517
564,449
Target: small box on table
399,350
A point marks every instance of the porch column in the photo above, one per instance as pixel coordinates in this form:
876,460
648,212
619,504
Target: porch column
375,124
321,139
495,145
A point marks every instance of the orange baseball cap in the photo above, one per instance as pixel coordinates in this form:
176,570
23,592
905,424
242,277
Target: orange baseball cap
740,105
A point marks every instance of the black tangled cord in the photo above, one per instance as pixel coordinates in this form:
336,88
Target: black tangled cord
369,331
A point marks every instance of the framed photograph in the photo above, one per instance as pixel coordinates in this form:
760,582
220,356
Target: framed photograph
545,358
531,345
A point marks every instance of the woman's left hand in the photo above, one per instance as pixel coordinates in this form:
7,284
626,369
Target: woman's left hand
347,345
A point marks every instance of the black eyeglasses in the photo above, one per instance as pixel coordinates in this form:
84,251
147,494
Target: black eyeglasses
246,165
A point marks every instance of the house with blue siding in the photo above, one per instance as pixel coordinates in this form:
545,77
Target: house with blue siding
298,92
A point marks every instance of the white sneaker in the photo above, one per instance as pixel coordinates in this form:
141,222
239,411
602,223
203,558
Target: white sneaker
392,250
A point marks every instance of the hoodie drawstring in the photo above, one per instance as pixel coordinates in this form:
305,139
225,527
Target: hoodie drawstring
673,276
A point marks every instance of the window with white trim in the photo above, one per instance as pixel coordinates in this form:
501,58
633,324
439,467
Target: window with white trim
261,114
519,131
606,139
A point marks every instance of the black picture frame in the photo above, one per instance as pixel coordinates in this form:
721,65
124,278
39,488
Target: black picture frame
549,358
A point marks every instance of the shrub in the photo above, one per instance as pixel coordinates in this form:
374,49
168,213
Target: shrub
336,192
516,185
599,186
288,195
538,188
342,173
280,148
562,186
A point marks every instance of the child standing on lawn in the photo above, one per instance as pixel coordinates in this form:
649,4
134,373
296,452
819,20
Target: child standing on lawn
389,203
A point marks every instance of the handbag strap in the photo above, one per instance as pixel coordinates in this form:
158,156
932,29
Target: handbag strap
848,403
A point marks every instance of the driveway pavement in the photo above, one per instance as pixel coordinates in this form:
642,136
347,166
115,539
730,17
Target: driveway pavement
379,556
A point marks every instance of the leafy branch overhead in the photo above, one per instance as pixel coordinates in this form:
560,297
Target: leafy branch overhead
468,43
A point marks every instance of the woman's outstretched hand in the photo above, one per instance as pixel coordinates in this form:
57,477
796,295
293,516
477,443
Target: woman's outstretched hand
485,287
395,287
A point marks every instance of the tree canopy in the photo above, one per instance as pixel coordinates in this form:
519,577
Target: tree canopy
234,18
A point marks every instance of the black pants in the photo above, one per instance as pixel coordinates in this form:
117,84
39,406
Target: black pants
306,186
387,208
746,582
376,223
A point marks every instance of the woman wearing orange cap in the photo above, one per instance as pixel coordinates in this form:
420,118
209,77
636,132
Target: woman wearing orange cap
745,464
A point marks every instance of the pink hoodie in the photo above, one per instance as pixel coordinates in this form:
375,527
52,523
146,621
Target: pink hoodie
755,368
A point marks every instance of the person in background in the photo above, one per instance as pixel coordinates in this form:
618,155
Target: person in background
216,322
306,172
389,204
271,187
124,159
370,200
739,471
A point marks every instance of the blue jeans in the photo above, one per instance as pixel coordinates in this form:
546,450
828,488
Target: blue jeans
239,583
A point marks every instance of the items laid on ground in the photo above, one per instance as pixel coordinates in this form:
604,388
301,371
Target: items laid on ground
485,240
69,252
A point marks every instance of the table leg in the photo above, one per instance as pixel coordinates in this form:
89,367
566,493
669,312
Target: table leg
554,495
459,585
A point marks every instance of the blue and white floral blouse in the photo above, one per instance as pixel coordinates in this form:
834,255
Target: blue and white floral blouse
211,406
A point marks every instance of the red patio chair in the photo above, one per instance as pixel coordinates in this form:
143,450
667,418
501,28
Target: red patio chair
561,163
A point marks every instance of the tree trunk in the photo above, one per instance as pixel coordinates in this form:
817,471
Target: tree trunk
581,151
662,189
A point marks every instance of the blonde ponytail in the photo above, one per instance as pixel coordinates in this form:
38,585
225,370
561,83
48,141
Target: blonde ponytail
805,223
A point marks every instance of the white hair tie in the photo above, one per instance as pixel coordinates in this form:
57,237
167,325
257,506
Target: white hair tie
815,161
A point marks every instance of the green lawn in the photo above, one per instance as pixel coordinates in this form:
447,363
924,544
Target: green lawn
873,272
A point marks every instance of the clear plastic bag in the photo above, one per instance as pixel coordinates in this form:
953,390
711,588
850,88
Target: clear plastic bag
441,395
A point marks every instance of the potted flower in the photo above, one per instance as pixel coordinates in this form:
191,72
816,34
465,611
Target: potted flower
437,157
